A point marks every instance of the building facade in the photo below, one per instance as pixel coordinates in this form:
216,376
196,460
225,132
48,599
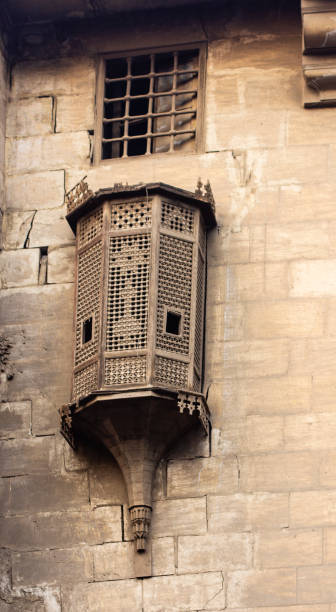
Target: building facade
243,519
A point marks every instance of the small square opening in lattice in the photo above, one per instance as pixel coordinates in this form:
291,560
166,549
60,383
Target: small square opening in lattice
173,323
87,326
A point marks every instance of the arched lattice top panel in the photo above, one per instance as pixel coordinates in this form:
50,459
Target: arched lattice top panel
129,215
177,218
127,300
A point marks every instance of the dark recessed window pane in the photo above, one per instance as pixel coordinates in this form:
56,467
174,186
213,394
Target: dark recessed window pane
164,62
114,129
137,127
163,83
139,87
137,147
112,110
173,323
87,331
139,107
140,65
116,89
116,68
187,59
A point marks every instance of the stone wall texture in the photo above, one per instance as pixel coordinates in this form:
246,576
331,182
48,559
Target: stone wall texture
246,521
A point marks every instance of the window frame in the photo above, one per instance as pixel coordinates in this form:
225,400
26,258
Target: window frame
100,88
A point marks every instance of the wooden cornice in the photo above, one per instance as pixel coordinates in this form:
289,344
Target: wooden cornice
319,52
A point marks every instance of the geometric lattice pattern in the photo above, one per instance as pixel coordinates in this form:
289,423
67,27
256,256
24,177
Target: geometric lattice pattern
171,372
131,214
177,218
125,370
196,382
88,300
90,227
174,291
128,284
199,313
86,380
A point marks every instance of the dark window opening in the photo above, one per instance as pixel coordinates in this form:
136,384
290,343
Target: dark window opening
87,330
173,323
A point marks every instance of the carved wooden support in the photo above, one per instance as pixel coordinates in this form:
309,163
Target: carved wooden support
319,52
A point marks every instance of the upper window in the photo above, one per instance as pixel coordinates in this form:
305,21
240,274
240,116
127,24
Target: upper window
150,103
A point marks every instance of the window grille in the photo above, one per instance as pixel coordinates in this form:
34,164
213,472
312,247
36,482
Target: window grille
150,103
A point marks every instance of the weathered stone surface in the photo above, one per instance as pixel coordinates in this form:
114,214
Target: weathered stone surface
316,584
4,494
214,552
283,395
328,469
245,282
254,129
107,485
310,431
289,548
30,117
303,240
190,592
27,456
229,247
114,561
243,512
271,587
33,304
41,493
299,202
279,471
35,191
293,319
296,165
252,434
15,419
118,596
179,517
163,556
312,278
51,567
52,152
313,356
62,529
276,280
19,268
50,228
202,476
16,227
248,359
61,264
50,77
75,113
312,508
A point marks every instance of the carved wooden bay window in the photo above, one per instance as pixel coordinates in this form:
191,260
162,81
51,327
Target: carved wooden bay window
139,327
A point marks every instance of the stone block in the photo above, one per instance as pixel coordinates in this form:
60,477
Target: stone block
270,587
245,282
61,264
214,552
224,322
229,247
296,165
51,77
45,415
279,472
307,203
16,228
114,561
29,117
276,280
295,608
27,456
35,191
318,130
52,152
192,444
259,128
283,395
310,431
248,359
253,434
330,545
19,268
304,240
328,469
216,284
312,278
75,113
188,592
163,556
62,529
51,567
179,517
15,419
284,82
324,390
316,584
257,243
50,228
34,304
201,477
116,596
291,319
288,548
265,206
4,495
244,512
49,493
313,357
312,508
331,318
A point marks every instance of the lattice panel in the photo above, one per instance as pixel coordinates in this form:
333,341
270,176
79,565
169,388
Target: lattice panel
129,215
125,370
88,300
177,218
196,382
128,281
90,227
202,238
86,381
174,292
199,313
171,372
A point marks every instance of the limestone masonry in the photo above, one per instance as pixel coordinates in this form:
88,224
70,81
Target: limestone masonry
243,520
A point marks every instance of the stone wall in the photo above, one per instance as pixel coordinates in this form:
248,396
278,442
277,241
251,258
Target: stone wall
246,523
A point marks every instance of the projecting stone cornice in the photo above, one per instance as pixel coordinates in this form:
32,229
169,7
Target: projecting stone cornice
319,52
